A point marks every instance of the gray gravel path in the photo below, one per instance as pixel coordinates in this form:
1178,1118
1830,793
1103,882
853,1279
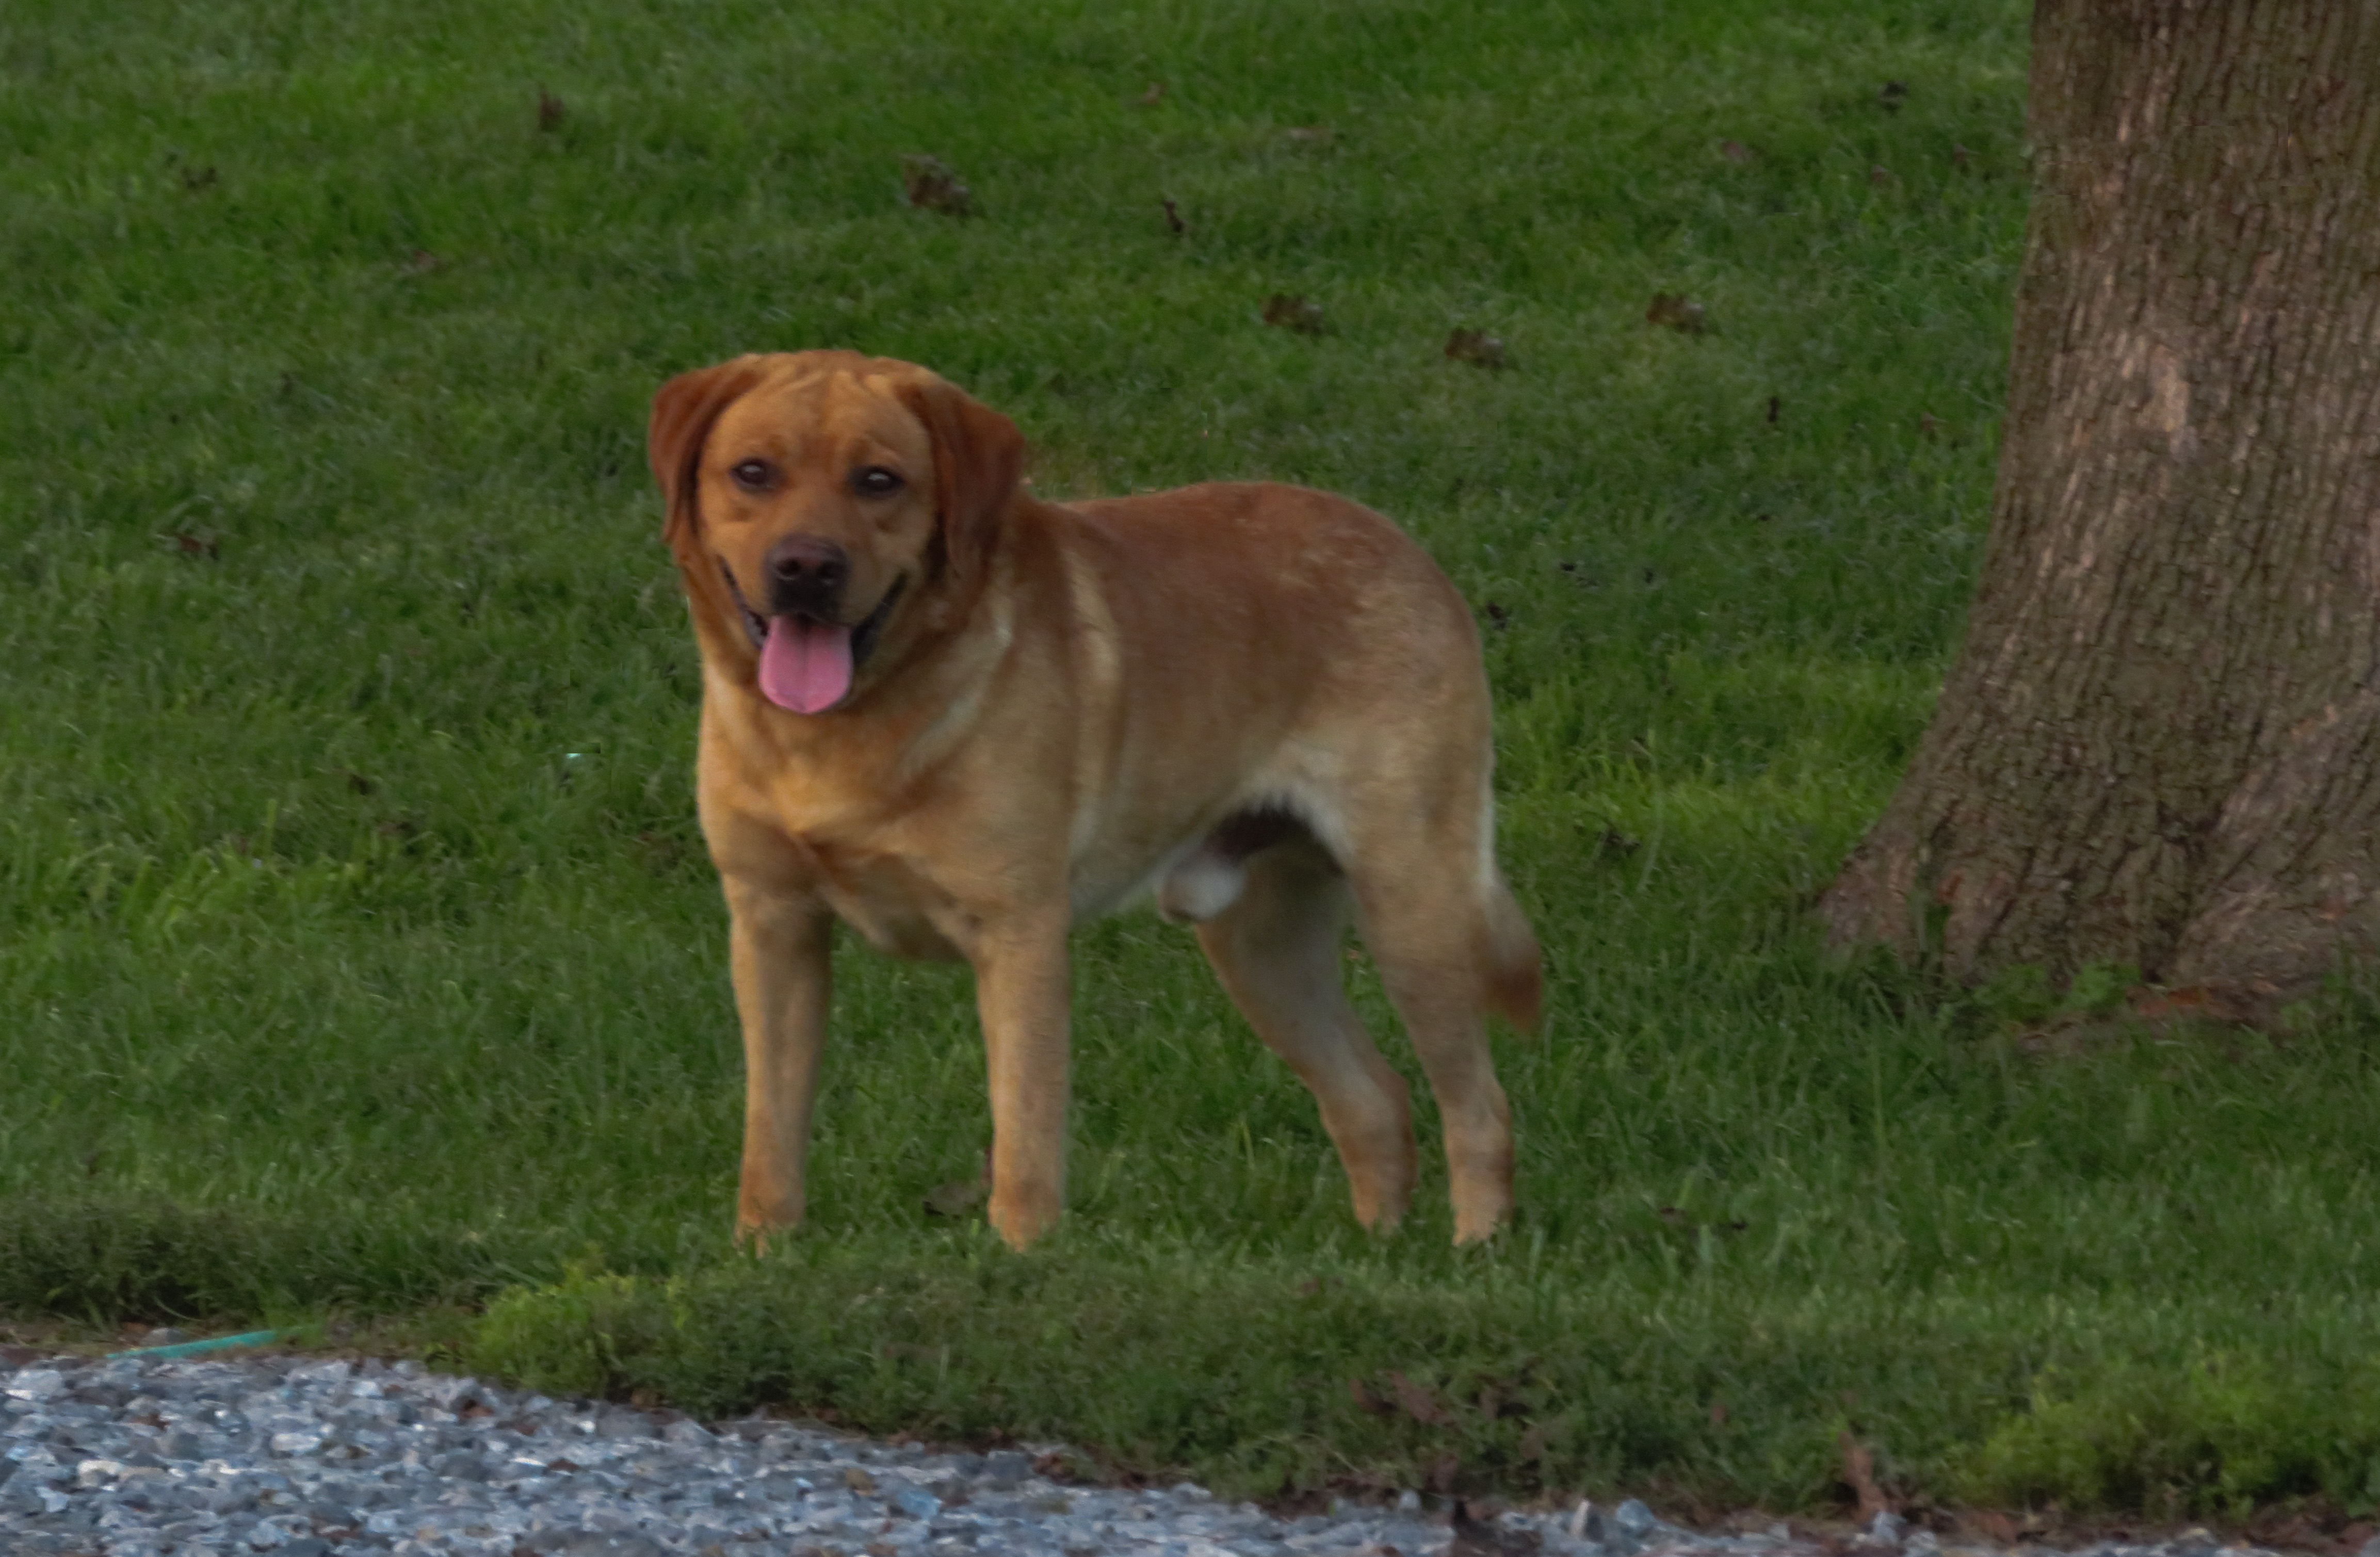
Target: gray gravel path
137,1457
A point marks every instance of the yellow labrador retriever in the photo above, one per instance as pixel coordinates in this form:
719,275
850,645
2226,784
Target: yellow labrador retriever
960,720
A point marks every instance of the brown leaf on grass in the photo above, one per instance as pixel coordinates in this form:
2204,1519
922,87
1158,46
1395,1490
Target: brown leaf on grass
1286,311
1419,1403
1150,98
1477,347
930,185
1312,135
1675,310
190,544
1859,1475
549,110
1736,152
1173,217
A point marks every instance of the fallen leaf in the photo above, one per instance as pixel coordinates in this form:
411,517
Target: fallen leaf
1474,1536
1419,1403
1476,348
930,185
1735,151
193,545
549,110
1859,1475
1286,311
1893,93
1150,98
1059,1465
1673,310
1173,217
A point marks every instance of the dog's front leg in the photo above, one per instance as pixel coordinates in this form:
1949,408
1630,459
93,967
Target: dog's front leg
780,953
1021,990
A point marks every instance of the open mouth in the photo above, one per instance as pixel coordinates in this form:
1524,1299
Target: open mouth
807,663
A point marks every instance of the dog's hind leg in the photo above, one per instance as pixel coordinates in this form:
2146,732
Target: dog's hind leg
1450,945
1277,949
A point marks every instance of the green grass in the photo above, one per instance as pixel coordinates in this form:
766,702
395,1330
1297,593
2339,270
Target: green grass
357,948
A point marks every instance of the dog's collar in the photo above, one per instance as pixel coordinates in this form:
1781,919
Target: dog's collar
863,637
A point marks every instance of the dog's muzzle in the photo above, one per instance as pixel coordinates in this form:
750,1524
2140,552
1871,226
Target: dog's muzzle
863,637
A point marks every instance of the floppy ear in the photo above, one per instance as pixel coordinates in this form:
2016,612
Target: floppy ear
682,413
978,459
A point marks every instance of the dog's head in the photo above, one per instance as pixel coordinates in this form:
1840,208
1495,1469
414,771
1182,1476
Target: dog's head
815,499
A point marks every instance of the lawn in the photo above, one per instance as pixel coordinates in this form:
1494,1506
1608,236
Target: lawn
359,953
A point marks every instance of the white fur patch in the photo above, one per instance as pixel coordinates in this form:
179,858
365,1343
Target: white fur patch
1199,888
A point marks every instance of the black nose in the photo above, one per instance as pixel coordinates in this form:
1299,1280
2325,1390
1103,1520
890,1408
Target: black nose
807,575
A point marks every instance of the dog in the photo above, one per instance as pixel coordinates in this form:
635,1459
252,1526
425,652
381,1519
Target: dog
960,720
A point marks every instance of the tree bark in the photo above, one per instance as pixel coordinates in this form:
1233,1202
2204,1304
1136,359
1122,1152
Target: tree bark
2160,743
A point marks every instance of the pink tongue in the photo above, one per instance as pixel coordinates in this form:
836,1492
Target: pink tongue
806,666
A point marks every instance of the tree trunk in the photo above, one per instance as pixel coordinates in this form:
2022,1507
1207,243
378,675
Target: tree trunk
2160,744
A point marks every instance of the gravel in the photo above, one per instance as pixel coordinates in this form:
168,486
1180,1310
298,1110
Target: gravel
298,1457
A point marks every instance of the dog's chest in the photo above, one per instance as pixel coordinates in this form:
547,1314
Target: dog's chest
893,906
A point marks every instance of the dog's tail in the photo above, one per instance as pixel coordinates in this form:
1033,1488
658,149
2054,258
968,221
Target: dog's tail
1515,970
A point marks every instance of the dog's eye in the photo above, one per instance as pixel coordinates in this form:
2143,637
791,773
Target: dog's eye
876,481
753,475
